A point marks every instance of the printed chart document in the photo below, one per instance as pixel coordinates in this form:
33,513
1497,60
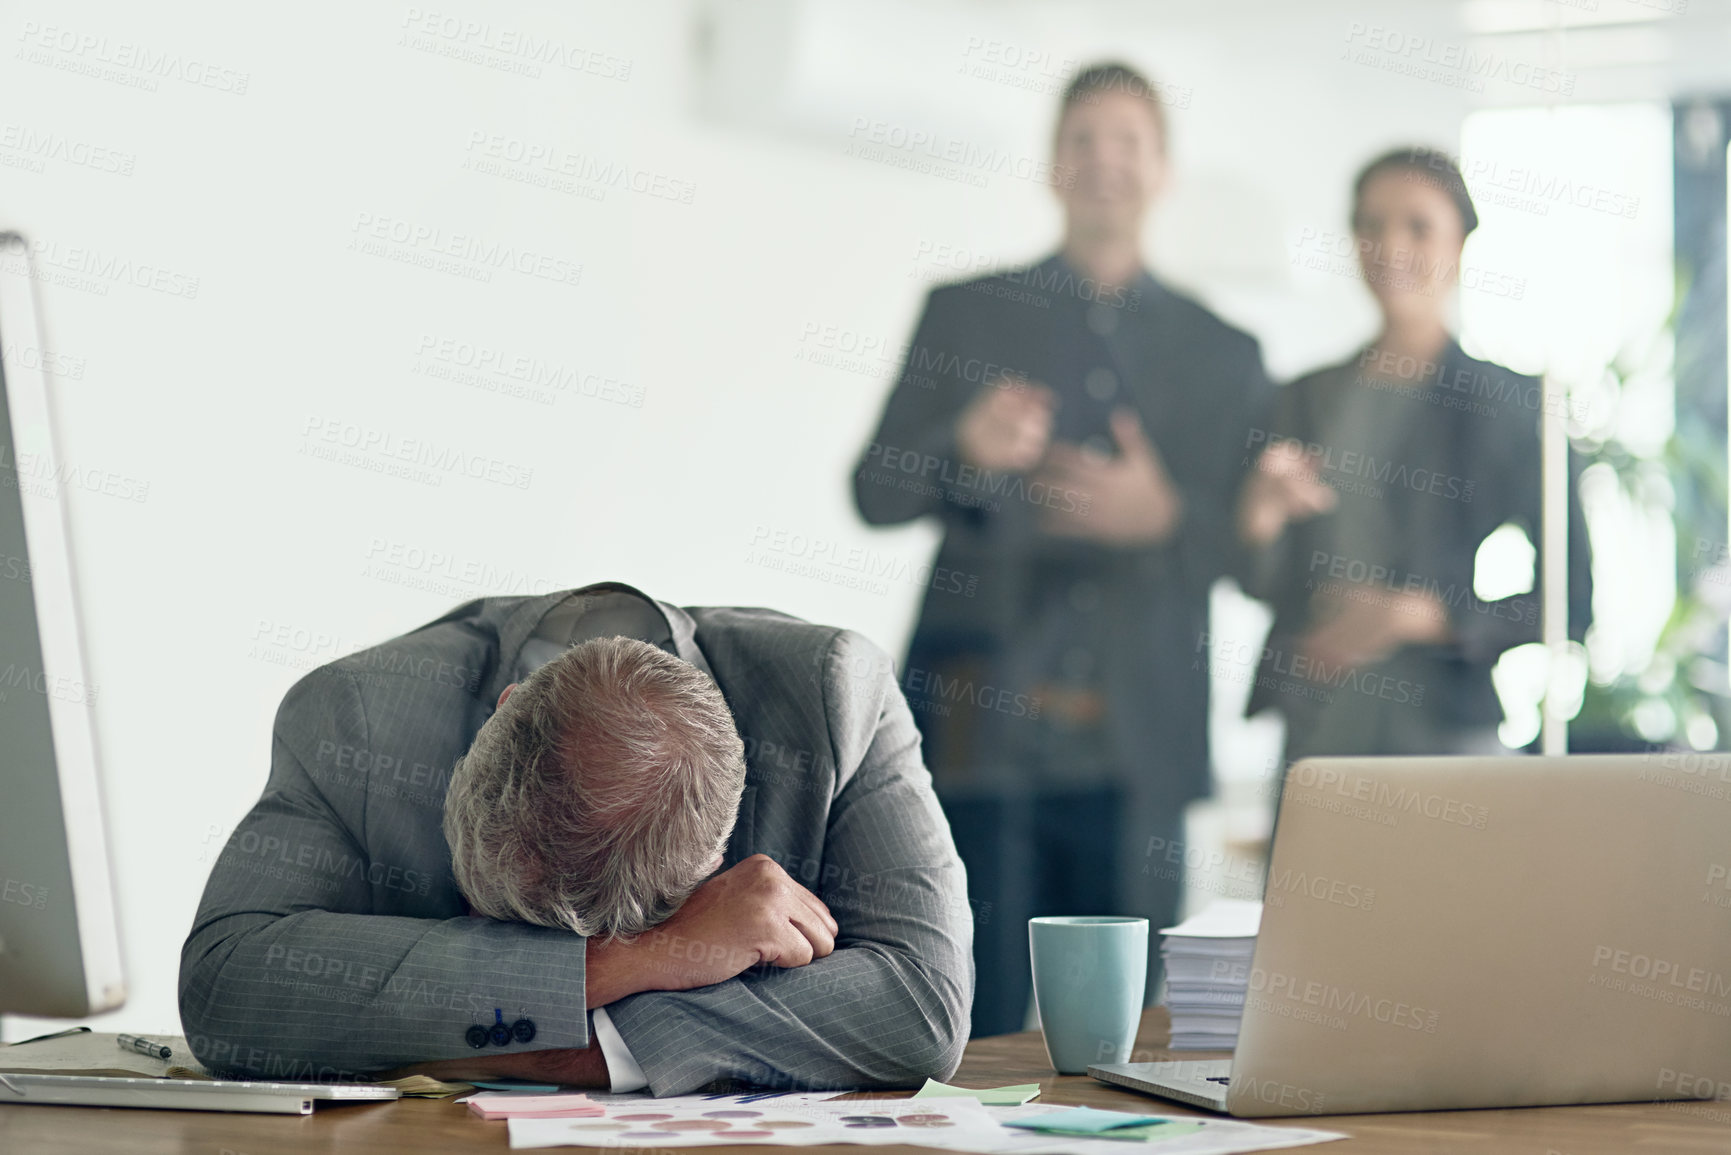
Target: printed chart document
951,1124
694,1121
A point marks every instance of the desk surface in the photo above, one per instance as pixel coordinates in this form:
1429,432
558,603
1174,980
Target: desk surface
438,1125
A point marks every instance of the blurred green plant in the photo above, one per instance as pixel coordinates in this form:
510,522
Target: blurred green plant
1681,695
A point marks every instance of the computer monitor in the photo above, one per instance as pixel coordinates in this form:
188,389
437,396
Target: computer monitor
59,942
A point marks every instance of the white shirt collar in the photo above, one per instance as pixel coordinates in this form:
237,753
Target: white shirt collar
601,614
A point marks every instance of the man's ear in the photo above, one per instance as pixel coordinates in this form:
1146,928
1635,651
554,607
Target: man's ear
505,693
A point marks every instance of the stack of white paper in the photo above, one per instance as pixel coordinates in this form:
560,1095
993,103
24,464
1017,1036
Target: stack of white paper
1207,971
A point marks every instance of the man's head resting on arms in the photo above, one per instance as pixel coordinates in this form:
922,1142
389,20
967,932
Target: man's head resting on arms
599,795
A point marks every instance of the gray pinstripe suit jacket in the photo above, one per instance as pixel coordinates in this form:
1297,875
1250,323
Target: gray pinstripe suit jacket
332,938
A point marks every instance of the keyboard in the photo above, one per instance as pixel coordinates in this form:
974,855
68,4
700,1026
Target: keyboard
184,1094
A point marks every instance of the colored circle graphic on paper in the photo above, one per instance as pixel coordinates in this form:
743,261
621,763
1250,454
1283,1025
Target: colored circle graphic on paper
694,1125
646,1118
732,1114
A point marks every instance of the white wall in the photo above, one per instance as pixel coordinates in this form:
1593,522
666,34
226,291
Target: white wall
249,560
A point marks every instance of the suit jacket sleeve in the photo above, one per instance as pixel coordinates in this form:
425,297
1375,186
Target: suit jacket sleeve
1484,629
911,467
287,972
890,1006
1501,465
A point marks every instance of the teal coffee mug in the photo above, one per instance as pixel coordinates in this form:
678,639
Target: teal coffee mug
1089,978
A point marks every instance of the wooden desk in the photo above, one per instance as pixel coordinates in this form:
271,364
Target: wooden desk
438,1125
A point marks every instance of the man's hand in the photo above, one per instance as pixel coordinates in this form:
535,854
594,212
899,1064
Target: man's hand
751,915
1286,486
1124,500
1007,427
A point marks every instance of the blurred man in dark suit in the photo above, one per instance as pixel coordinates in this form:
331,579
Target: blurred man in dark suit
1079,430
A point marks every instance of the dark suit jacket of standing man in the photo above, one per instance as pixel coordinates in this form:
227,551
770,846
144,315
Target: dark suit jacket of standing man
1198,386
332,937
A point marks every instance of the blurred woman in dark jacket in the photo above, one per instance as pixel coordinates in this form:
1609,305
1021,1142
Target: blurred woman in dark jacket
1381,478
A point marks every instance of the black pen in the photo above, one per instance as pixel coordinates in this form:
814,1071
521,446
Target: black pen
143,1046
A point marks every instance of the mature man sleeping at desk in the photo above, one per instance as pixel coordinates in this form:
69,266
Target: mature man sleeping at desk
570,838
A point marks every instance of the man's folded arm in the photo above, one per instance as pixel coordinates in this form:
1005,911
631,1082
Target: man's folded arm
287,972
912,466
890,1006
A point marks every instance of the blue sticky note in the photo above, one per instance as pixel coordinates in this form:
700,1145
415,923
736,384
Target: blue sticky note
1084,1121
538,1088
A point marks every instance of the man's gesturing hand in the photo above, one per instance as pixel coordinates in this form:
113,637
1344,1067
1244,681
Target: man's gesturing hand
1007,427
752,914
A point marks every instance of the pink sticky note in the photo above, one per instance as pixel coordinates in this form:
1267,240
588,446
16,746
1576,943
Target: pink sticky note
510,1106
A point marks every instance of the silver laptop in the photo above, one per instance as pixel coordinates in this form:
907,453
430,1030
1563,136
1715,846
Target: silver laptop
1483,932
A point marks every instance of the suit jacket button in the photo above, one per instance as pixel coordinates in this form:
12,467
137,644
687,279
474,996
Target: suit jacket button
500,1034
476,1035
523,1030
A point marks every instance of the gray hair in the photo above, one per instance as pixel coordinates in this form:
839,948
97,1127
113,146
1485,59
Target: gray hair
598,795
